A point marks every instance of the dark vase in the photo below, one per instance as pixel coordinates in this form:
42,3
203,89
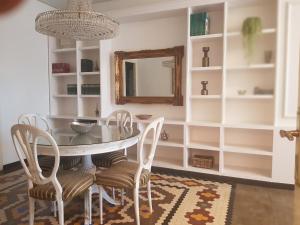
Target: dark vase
205,59
204,90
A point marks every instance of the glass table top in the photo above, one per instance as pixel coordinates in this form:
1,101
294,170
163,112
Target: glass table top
99,134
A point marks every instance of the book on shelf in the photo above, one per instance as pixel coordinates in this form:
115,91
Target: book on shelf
199,24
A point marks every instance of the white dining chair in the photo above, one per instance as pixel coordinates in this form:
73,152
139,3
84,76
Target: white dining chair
131,175
59,187
121,118
47,162
35,120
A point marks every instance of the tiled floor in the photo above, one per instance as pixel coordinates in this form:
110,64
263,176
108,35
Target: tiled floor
255,205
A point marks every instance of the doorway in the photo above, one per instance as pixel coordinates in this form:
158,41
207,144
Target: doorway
130,71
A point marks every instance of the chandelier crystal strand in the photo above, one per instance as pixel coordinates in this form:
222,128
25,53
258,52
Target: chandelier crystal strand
77,22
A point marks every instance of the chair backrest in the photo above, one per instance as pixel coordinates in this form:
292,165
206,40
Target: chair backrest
35,120
25,139
145,161
121,117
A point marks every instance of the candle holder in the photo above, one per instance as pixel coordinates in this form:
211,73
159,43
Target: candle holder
164,136
205,59
204,90
97,112
268,56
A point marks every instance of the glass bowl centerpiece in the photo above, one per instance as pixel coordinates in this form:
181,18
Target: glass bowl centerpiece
83,126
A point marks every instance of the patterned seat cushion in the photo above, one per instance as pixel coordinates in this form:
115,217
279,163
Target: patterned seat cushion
66,163
106,160
121,175
73,183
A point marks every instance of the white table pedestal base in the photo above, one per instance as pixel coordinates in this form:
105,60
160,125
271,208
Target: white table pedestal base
87,165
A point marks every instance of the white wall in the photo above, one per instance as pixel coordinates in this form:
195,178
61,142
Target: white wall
284,78
23,71
117,4
150,34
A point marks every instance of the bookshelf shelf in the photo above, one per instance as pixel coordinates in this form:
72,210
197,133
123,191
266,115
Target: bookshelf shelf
62,104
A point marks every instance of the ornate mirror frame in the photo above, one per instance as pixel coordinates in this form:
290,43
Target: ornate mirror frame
176,100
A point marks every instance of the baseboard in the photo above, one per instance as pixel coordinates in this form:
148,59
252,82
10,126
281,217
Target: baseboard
204,176
225,179
11,167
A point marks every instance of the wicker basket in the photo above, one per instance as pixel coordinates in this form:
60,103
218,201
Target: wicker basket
203,161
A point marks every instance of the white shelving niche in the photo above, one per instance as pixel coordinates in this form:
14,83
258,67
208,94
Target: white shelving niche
64,105
232,123
244,74
170,152
235,128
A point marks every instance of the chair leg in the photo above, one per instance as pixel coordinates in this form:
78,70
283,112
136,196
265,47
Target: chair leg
136,205
60,206
122,196
125,151
31,210
149,196
114,193
100,205
54,208
88,205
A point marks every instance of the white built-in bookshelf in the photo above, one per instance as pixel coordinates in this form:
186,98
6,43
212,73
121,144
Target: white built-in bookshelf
241,135
237,130
64,105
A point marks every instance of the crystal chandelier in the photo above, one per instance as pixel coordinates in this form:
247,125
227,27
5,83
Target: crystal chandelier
77,22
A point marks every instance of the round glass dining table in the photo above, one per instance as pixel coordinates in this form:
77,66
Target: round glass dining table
101,139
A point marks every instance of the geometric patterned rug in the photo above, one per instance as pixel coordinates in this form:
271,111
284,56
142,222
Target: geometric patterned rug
176,201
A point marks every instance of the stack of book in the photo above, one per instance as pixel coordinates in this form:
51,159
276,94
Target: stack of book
199,24
72,89
90,89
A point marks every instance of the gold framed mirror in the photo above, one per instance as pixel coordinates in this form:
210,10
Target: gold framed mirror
149,76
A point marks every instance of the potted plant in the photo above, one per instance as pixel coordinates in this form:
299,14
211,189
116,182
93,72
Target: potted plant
251,29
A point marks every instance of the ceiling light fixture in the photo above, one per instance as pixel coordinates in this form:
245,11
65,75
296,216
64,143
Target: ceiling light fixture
78,22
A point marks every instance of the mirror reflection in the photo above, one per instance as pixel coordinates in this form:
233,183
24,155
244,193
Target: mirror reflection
149,76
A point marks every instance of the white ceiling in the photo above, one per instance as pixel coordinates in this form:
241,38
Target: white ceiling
62,4
104,5
107,5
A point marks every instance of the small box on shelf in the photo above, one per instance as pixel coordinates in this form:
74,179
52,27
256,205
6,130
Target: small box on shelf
263,91
90,89
86,65
60,67
72,89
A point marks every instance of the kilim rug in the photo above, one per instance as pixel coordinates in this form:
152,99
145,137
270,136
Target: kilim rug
176,201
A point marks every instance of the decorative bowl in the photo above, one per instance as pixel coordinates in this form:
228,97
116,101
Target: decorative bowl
82,128
143,116
242,92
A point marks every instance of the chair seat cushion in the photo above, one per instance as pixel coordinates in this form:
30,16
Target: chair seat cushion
121,175
106,160
73,183
47,162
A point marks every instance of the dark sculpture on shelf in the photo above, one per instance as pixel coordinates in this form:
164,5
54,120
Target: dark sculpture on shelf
204,90
205,59
164,136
